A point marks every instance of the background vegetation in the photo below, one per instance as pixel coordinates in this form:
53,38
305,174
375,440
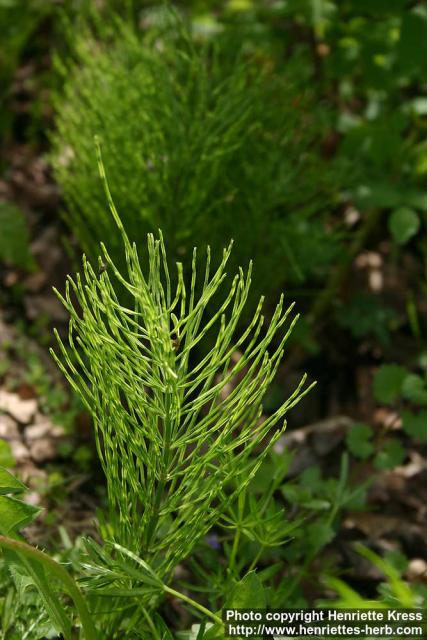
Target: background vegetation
297,128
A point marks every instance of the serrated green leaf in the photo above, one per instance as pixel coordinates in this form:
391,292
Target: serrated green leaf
415,424
414,389
358,441
34,563
10,484
391,455
388,383
403,224
15,515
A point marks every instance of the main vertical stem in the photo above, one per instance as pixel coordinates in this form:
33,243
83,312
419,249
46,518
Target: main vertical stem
152,524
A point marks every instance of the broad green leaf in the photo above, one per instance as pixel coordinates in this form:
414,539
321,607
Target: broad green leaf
39,565
388,383
403,224
35,563
359,441
10,484
415,424
391,455
7,459
52,603
15,515
414,389
248,594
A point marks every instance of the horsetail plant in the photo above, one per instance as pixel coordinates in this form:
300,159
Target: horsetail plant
179,432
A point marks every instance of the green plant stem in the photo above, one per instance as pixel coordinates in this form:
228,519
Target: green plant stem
151,624
256,558
234,550
193,603
34,554
151,528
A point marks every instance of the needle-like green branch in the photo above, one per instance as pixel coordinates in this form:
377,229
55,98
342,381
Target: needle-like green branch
173,427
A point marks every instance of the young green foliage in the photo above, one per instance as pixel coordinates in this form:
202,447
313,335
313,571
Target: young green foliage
173,427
